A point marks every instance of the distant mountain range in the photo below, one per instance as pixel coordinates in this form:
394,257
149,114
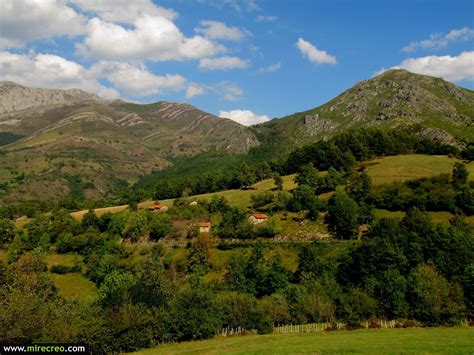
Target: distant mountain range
60,141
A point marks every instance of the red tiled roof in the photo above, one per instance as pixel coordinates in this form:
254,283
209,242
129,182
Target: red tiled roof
205,224
156,207
260,216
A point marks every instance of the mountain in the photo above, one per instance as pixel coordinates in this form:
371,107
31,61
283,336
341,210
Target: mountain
58,141
394,98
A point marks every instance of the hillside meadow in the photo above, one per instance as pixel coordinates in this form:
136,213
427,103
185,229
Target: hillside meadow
382,171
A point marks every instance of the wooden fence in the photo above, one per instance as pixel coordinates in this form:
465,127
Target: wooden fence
316,327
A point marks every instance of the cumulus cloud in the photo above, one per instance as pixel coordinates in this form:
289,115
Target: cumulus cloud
50,71
194,90
154,38
437,41
23,21
262,18
137,80
244,117
271,68
219,30
452,68
314,54
124,11
223,63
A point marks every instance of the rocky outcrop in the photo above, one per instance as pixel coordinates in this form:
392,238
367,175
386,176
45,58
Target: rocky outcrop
17,98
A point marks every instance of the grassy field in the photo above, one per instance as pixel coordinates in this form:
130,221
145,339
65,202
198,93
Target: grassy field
75,286
436,217
412,166
62,259
380,341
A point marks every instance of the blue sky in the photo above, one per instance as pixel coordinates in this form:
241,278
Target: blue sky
248,60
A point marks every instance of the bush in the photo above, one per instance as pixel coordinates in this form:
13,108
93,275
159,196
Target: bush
64,269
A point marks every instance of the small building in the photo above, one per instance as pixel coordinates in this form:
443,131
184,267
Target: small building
158,208
258,218
204,227
193,203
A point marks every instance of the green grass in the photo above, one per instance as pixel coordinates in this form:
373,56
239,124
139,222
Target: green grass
369,341
412,166
62,259
75,286
440,217
3,256
241,198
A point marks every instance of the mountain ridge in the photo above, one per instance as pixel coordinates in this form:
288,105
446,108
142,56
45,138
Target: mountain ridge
100,144
392,99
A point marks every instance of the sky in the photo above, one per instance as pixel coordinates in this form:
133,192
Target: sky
247,60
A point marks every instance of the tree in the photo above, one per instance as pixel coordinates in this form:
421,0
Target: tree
309,262
433,300
460,174
89,219
160,226
117,289
303,198
307,175
342,215
358,306
391,294
7,231
282,198
465,200
358,186
195,313
278,181
246,177
135,226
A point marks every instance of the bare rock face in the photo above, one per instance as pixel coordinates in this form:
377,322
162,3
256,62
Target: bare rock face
16,98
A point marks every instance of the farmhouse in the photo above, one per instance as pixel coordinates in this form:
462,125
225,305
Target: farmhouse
258,218
158,208
205,227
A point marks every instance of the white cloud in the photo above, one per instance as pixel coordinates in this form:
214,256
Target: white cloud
137,80
262,18
50,71
23,21
228,90
219,30
313,53
194,90
124,11
455,68
223,63
437,40
153,38
244,117
252,6
271,68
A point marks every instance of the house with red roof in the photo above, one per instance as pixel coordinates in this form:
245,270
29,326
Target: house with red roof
257,218
204,227
158,208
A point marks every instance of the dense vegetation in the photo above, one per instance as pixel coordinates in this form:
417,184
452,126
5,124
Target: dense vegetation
407,269
209,173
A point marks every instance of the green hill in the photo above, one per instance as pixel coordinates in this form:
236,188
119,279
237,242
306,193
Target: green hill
395,98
